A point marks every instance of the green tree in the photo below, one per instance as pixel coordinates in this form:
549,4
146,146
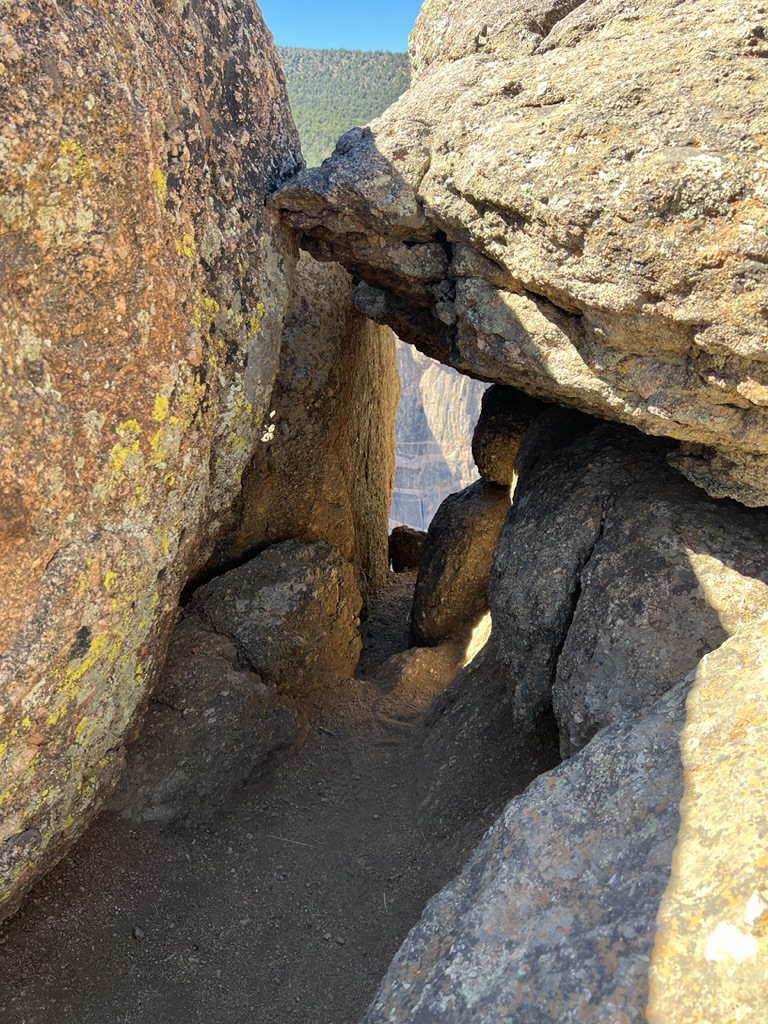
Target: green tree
332,91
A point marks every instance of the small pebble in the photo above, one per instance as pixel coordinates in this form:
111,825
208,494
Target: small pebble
327,936
341,940
138,933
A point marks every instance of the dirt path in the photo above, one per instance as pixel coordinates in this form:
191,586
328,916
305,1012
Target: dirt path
286,911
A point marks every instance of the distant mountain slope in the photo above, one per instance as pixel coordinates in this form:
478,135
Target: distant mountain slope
334,90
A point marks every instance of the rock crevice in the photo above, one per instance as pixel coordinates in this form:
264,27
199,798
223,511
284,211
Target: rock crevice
607,206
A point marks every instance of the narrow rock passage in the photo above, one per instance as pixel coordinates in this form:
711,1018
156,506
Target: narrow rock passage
287,909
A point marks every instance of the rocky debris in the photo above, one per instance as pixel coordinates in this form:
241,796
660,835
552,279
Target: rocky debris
505,416
562,202
405,547
212,726
143,285
293,614
712,927
613,576
324,469
555,915
452,585
437,413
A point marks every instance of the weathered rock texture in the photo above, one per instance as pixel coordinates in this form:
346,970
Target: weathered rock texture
711,945
326,465
405,547
293,614
555,915
142,291
505,416
614,575
572,199
435,419
211,726
451,592
474,753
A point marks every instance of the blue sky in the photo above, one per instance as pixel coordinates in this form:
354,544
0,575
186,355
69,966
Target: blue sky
341,24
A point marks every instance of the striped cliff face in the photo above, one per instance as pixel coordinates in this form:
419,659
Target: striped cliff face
436,417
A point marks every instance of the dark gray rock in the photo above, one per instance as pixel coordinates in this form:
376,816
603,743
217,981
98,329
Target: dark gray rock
292,613
452,585
614,576
405,547
505,416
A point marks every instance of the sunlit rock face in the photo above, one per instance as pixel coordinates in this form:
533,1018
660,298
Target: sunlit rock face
625,885
571,199
435,419
143,286
325,465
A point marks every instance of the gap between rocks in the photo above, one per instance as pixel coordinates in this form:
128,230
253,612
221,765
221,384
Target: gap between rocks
288,907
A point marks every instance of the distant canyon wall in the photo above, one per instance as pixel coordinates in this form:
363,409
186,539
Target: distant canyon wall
437,414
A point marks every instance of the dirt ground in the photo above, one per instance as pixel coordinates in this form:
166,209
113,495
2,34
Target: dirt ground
286,910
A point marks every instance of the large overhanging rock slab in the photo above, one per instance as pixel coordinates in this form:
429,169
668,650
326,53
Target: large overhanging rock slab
142,292
573,199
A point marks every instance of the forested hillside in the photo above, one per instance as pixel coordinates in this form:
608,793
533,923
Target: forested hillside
333,90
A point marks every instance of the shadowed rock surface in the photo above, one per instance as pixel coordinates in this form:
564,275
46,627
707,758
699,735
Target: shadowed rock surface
504,418
540,925
564,202
452,585
613,576
293,614
405,547
212,726
325,467
472,748
143,285
555,915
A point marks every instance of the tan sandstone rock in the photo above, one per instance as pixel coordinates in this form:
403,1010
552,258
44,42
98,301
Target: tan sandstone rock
572,199
142,291
325,465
